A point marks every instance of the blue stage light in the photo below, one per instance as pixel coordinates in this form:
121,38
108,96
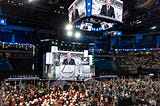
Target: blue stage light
119,33
91,29
3,21
112,24
79,26
100,28
88,7
94,29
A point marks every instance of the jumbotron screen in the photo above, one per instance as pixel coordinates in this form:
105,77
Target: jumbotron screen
105,11
77,10
108,9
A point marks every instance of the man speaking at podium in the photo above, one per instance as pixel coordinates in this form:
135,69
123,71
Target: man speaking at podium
69,60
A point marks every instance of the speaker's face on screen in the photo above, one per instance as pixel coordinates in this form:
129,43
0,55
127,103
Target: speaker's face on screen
74,7
108,2
68,55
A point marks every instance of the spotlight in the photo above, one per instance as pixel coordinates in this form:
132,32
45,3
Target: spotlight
154,27
97,29
77,34
69,27
151,74
2,21
69,33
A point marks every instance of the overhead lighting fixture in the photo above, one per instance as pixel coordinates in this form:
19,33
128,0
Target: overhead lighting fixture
61,7
69,27
151,74
69,33
3,21
154,27
77,34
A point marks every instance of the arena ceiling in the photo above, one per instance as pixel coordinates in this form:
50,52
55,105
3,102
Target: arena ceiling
139,16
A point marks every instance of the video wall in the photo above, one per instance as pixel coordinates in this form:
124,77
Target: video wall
86,26
68,65
77,10
108,9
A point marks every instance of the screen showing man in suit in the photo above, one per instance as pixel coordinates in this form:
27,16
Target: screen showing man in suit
86,26
107,9
75,13
69,60
77,10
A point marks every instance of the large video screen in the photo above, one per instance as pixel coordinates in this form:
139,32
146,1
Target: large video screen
86,26
67,65
77,10
106,25
108,9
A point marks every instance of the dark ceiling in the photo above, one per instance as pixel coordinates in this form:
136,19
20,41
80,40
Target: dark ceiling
52,14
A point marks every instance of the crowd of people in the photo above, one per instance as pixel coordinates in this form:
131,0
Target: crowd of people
104,92
132,60
16,46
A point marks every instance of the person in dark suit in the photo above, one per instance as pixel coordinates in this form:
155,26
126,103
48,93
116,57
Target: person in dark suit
69,60
107,9
75,13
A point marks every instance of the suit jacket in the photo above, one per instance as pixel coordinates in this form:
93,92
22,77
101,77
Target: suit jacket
110,12
75,16
72,62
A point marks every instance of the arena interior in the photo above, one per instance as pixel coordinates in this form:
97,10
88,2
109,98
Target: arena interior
79,53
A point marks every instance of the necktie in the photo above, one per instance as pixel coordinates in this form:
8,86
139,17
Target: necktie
68,61
108,9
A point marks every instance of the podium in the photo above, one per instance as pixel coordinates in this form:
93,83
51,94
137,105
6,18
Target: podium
71,72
